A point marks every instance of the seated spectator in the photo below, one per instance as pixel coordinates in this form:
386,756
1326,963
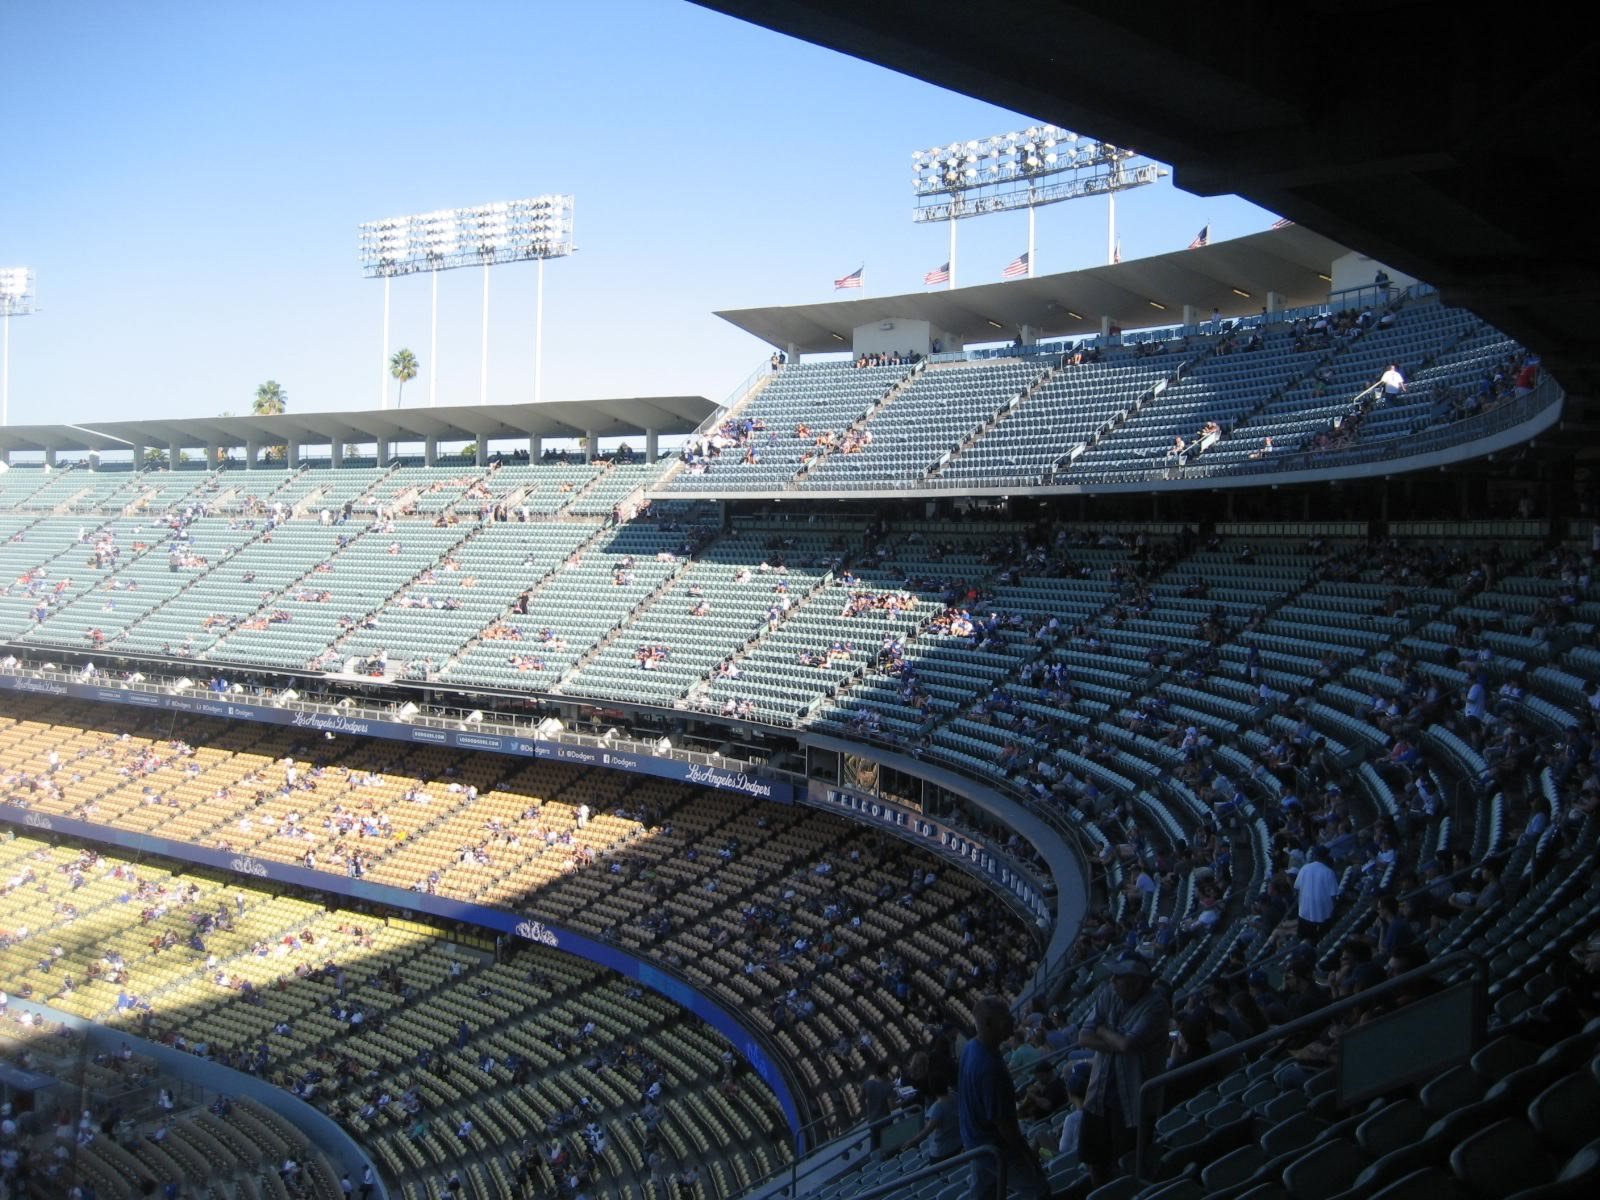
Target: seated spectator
942,1129
1046,1093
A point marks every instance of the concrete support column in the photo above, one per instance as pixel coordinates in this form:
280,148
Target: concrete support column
430,451
174,455
138,457
291,454
652,445
1191,318
1105,331
252,451
50,456
792,352
1274,307
336,452
591,444
1030,336
213,454
535,447
483,449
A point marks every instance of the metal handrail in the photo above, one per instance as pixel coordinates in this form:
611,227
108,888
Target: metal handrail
1278,1032
939,1169
844,1143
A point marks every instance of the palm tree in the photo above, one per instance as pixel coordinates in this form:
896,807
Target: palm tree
403,366
271,400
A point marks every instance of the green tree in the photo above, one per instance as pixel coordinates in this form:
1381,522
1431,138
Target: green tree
403,366
271,399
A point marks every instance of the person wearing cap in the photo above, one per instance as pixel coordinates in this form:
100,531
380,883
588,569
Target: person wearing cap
987,1106
1127,1030
1267,998
1305,994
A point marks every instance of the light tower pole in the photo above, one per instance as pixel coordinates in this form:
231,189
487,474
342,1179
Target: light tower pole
488,235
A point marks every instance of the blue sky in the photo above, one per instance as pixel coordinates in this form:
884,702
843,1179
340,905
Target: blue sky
187,179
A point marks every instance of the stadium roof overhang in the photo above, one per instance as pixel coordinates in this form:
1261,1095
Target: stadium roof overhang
1411,144
626,417
1233,276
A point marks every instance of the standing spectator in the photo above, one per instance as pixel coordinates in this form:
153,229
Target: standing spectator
1127,1030
876,1094
1317,885
987,1106
1393,383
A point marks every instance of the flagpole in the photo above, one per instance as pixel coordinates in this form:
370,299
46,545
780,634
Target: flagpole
952,283
1030,241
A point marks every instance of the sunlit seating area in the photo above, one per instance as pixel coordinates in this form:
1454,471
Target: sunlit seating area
455,1061
750,904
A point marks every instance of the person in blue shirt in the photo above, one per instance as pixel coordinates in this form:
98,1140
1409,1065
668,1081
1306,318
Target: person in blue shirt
942,1130
987,1107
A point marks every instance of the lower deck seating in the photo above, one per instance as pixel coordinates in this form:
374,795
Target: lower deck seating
435,1055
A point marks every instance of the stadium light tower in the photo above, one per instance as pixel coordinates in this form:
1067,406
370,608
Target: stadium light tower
16,300
1041,165
506,231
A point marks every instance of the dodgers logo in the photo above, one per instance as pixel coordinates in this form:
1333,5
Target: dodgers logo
327,724
535,931
729,781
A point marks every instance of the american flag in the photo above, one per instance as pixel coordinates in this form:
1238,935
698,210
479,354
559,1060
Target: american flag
937,275
1017,267
1282,223
1203,238
1116,252
852,280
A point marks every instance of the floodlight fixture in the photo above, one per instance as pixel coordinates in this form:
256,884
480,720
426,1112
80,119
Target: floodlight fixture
506,231
532,229
16,300
1026,169
1004,172
16,290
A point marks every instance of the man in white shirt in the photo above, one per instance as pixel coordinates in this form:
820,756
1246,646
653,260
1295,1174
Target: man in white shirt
1316,885
1394,383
